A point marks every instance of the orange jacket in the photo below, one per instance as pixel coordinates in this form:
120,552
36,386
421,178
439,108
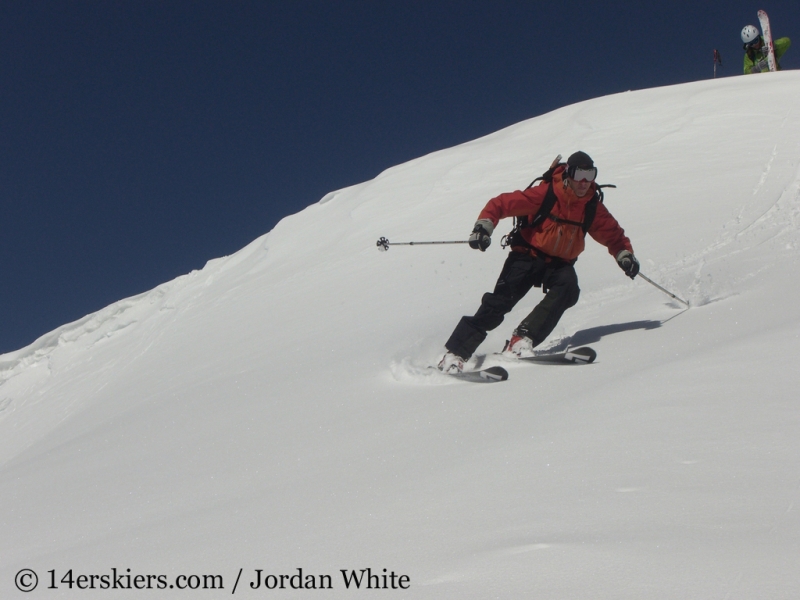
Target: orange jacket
560,240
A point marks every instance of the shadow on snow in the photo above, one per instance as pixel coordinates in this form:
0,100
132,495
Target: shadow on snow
595,334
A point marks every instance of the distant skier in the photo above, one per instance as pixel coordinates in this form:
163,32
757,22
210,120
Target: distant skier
542,255
755,57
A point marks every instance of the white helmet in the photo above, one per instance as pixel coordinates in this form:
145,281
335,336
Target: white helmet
750,34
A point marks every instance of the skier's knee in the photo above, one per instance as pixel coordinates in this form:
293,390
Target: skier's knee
572,295
497,304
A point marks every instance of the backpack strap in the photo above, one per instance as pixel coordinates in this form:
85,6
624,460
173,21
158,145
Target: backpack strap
546,208
514,237
547,205
589,211
591,207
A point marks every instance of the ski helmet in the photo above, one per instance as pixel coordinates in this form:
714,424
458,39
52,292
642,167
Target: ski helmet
750,34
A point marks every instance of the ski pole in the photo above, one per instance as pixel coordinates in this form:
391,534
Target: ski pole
383,244
717,59
667,292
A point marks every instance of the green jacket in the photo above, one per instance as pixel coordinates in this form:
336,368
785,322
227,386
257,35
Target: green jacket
752,57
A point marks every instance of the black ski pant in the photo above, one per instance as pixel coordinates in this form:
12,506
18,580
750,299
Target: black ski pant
520,273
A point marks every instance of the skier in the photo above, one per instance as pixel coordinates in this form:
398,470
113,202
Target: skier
541,255
755,57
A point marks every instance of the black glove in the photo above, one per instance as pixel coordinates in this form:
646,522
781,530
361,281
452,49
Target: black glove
628,263
481,236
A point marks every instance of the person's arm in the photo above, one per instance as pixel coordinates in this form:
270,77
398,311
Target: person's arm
607,231
755,64
513,204
781,46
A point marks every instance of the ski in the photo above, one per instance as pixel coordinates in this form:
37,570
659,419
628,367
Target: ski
574,356
767,34
490,375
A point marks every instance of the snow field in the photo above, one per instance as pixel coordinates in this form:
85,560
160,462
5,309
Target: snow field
274,410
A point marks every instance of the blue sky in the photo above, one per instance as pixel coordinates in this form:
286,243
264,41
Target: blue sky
142,138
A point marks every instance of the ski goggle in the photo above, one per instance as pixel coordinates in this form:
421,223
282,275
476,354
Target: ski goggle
581,174
754,43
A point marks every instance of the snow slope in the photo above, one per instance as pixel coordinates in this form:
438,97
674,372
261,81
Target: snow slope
273,411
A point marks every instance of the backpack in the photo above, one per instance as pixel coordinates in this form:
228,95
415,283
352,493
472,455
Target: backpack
514,237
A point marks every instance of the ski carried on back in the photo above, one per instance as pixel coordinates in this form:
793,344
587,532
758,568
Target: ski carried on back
573,356
767,35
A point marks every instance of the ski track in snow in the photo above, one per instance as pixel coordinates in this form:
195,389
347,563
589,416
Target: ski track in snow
776,225
278,408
